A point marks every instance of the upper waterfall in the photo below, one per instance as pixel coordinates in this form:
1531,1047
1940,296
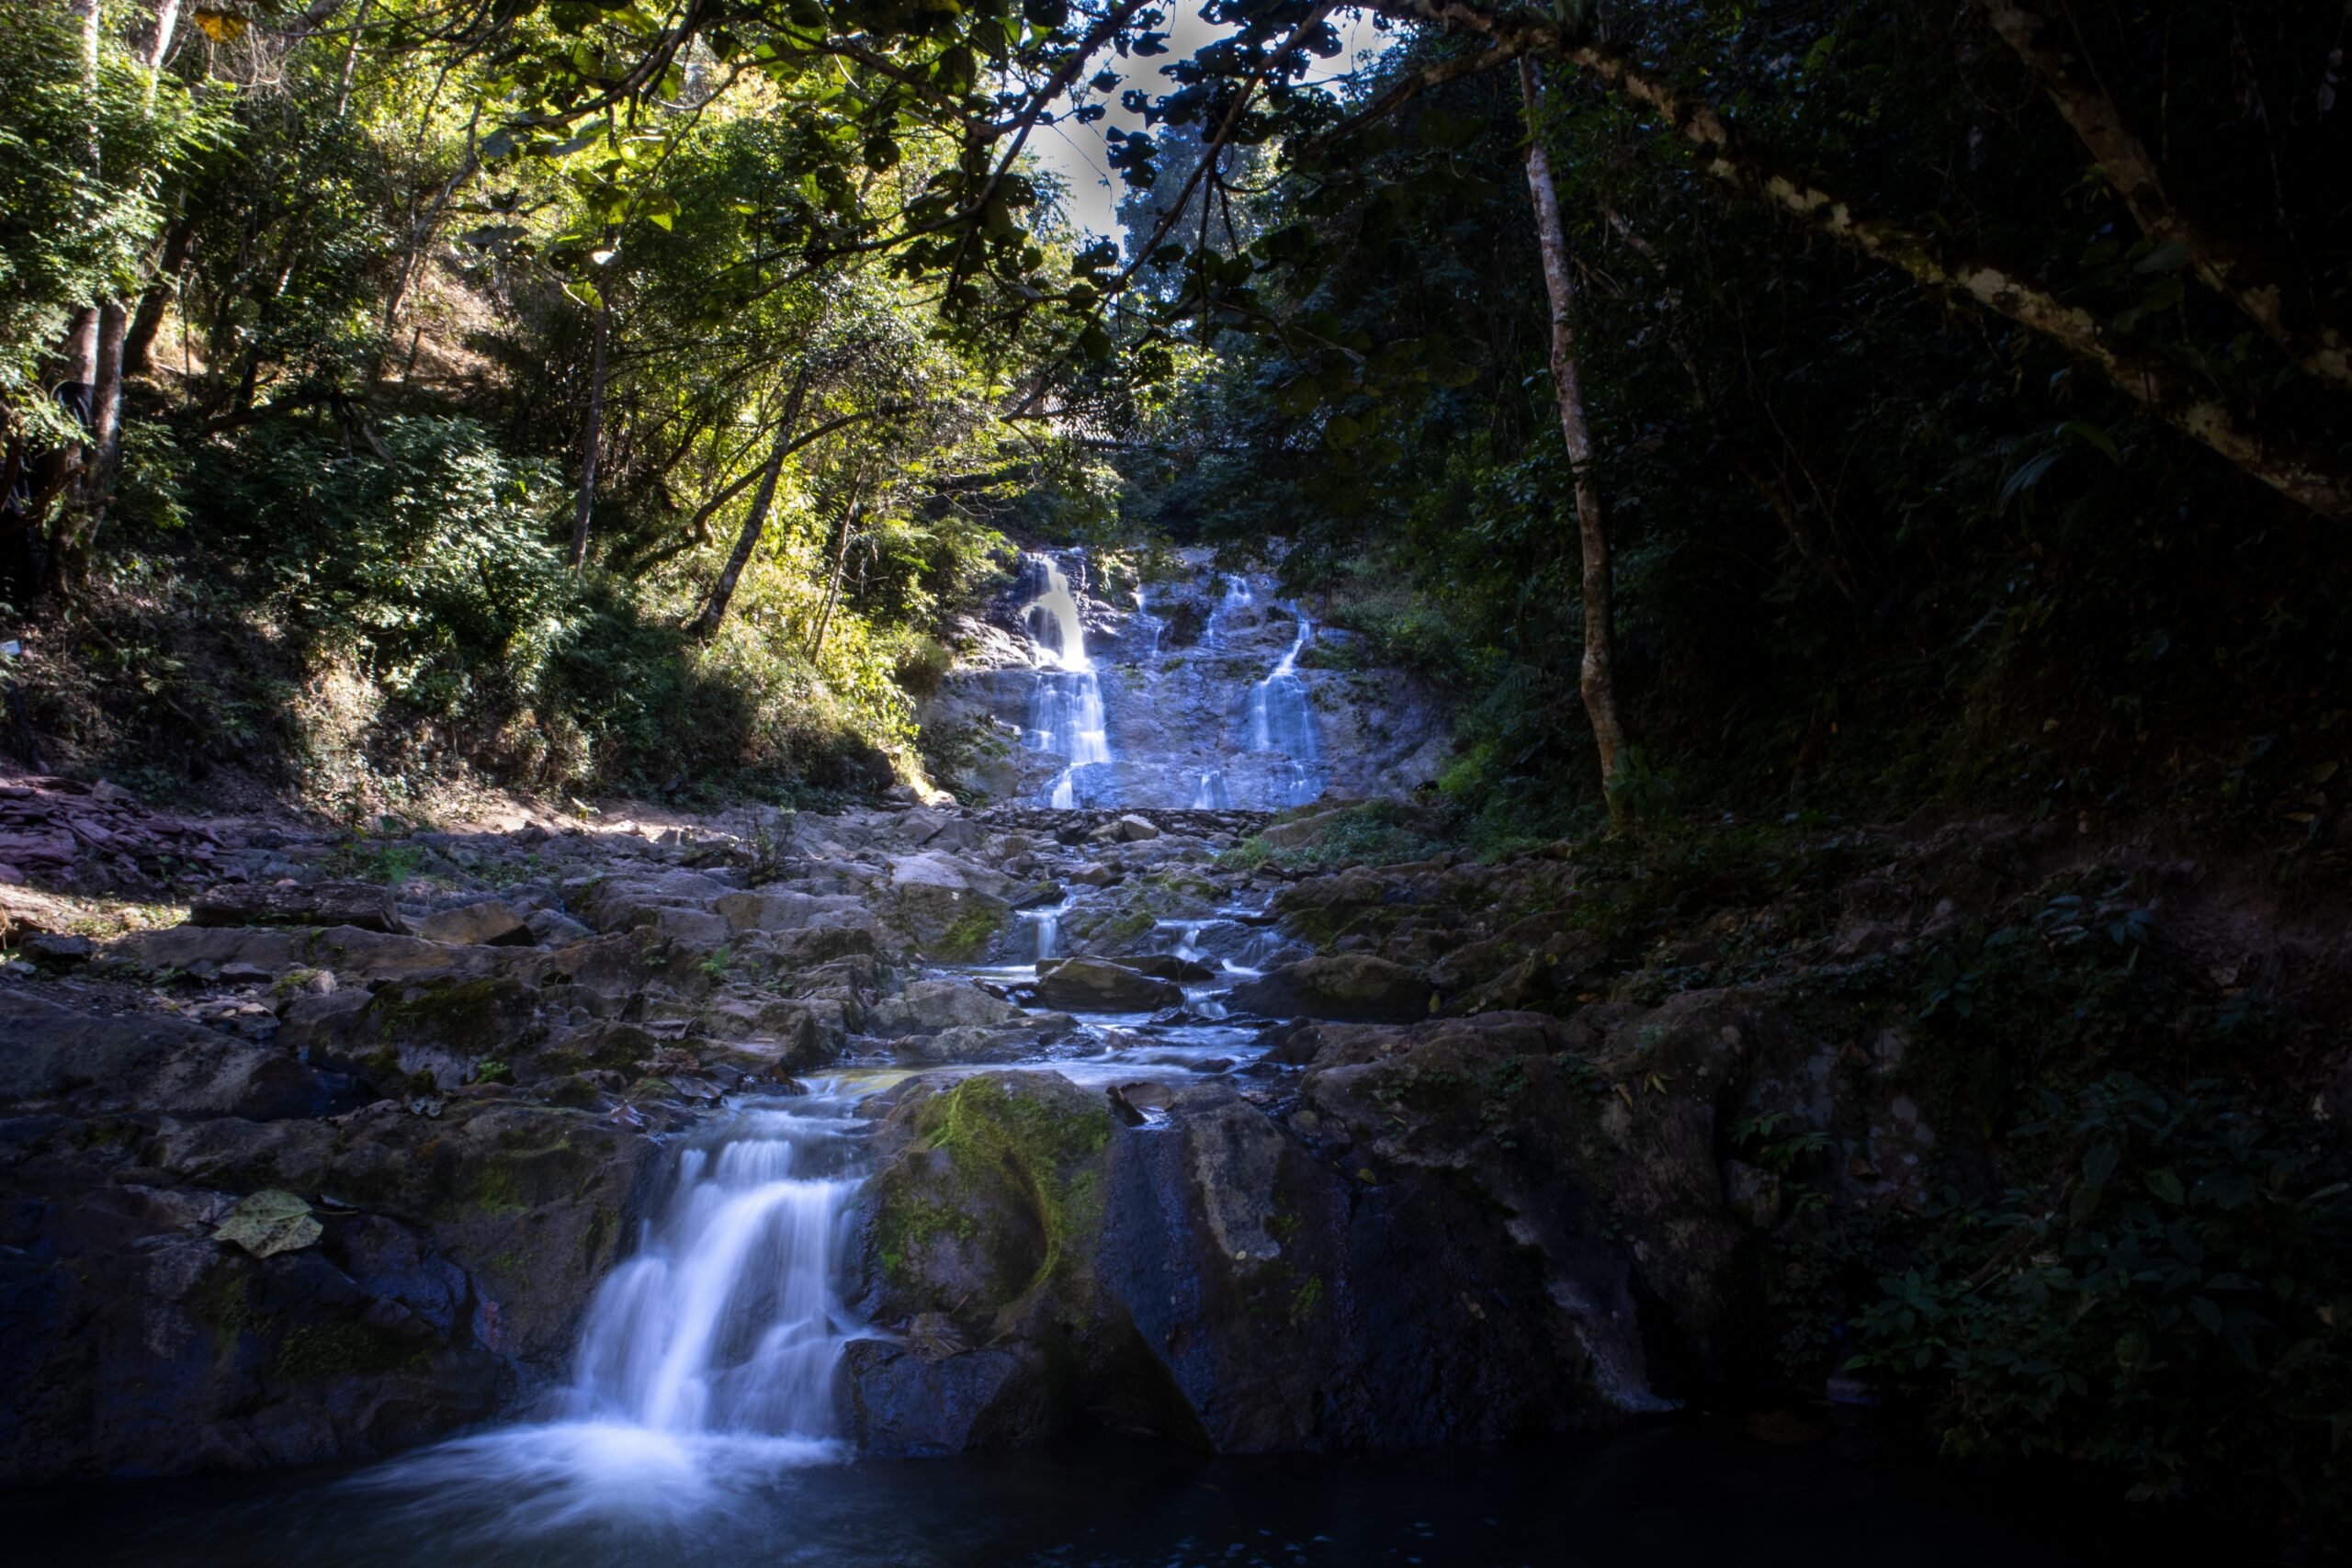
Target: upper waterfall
1198,688
1065,709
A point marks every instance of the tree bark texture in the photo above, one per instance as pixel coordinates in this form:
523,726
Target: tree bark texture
1598,674
138,346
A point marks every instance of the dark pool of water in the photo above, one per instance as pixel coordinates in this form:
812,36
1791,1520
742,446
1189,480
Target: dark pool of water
1661,1498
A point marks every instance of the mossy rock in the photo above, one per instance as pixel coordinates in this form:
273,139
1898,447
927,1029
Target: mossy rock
991,1199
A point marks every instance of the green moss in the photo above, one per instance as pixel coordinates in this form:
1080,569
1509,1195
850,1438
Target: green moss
496,1189
993,1140
465,1015
969,936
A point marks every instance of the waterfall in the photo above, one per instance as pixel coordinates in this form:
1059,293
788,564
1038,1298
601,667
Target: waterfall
1210,794
1282,719
725,1320
1065,707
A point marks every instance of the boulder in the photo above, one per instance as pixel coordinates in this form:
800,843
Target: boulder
1207,1279
942,1004
150,1329
362,905
1169,966
1134,829
553,927
946,908
493,922
1348,985
1096,985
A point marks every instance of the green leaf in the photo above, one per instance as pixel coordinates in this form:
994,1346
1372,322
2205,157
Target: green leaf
2170,256
270,1221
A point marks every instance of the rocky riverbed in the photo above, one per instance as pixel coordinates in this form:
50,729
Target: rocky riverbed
1169,1127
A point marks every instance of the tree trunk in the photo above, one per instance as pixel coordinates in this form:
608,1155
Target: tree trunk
2224,267
105,393
1599,676
167,21
2319,481
138,346
755,522
592,438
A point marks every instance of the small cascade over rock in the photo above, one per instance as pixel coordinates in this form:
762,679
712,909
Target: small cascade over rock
1065,710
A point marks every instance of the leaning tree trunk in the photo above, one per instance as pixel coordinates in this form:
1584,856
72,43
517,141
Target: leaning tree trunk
1599,676
2317,480
2230,269
755,522
139,346
592,438
833,592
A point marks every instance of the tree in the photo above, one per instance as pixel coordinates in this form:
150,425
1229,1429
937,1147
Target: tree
1598,674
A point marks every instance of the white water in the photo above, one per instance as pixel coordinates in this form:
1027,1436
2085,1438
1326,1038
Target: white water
725,1320
1282,720
708,1360
1065,709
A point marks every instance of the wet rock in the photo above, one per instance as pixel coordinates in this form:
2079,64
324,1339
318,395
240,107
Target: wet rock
1205,1277
361,904
1167,966
1346,986
1038,895
949,909
1095,984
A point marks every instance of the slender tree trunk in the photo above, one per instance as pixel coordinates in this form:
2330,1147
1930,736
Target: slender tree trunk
351,60
755,522
105,393
1598,676
2228,268
82,354
833,590
592,438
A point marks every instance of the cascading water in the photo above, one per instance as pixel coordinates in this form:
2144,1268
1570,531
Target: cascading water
1066,709
707,1362
725,1320
1282,719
